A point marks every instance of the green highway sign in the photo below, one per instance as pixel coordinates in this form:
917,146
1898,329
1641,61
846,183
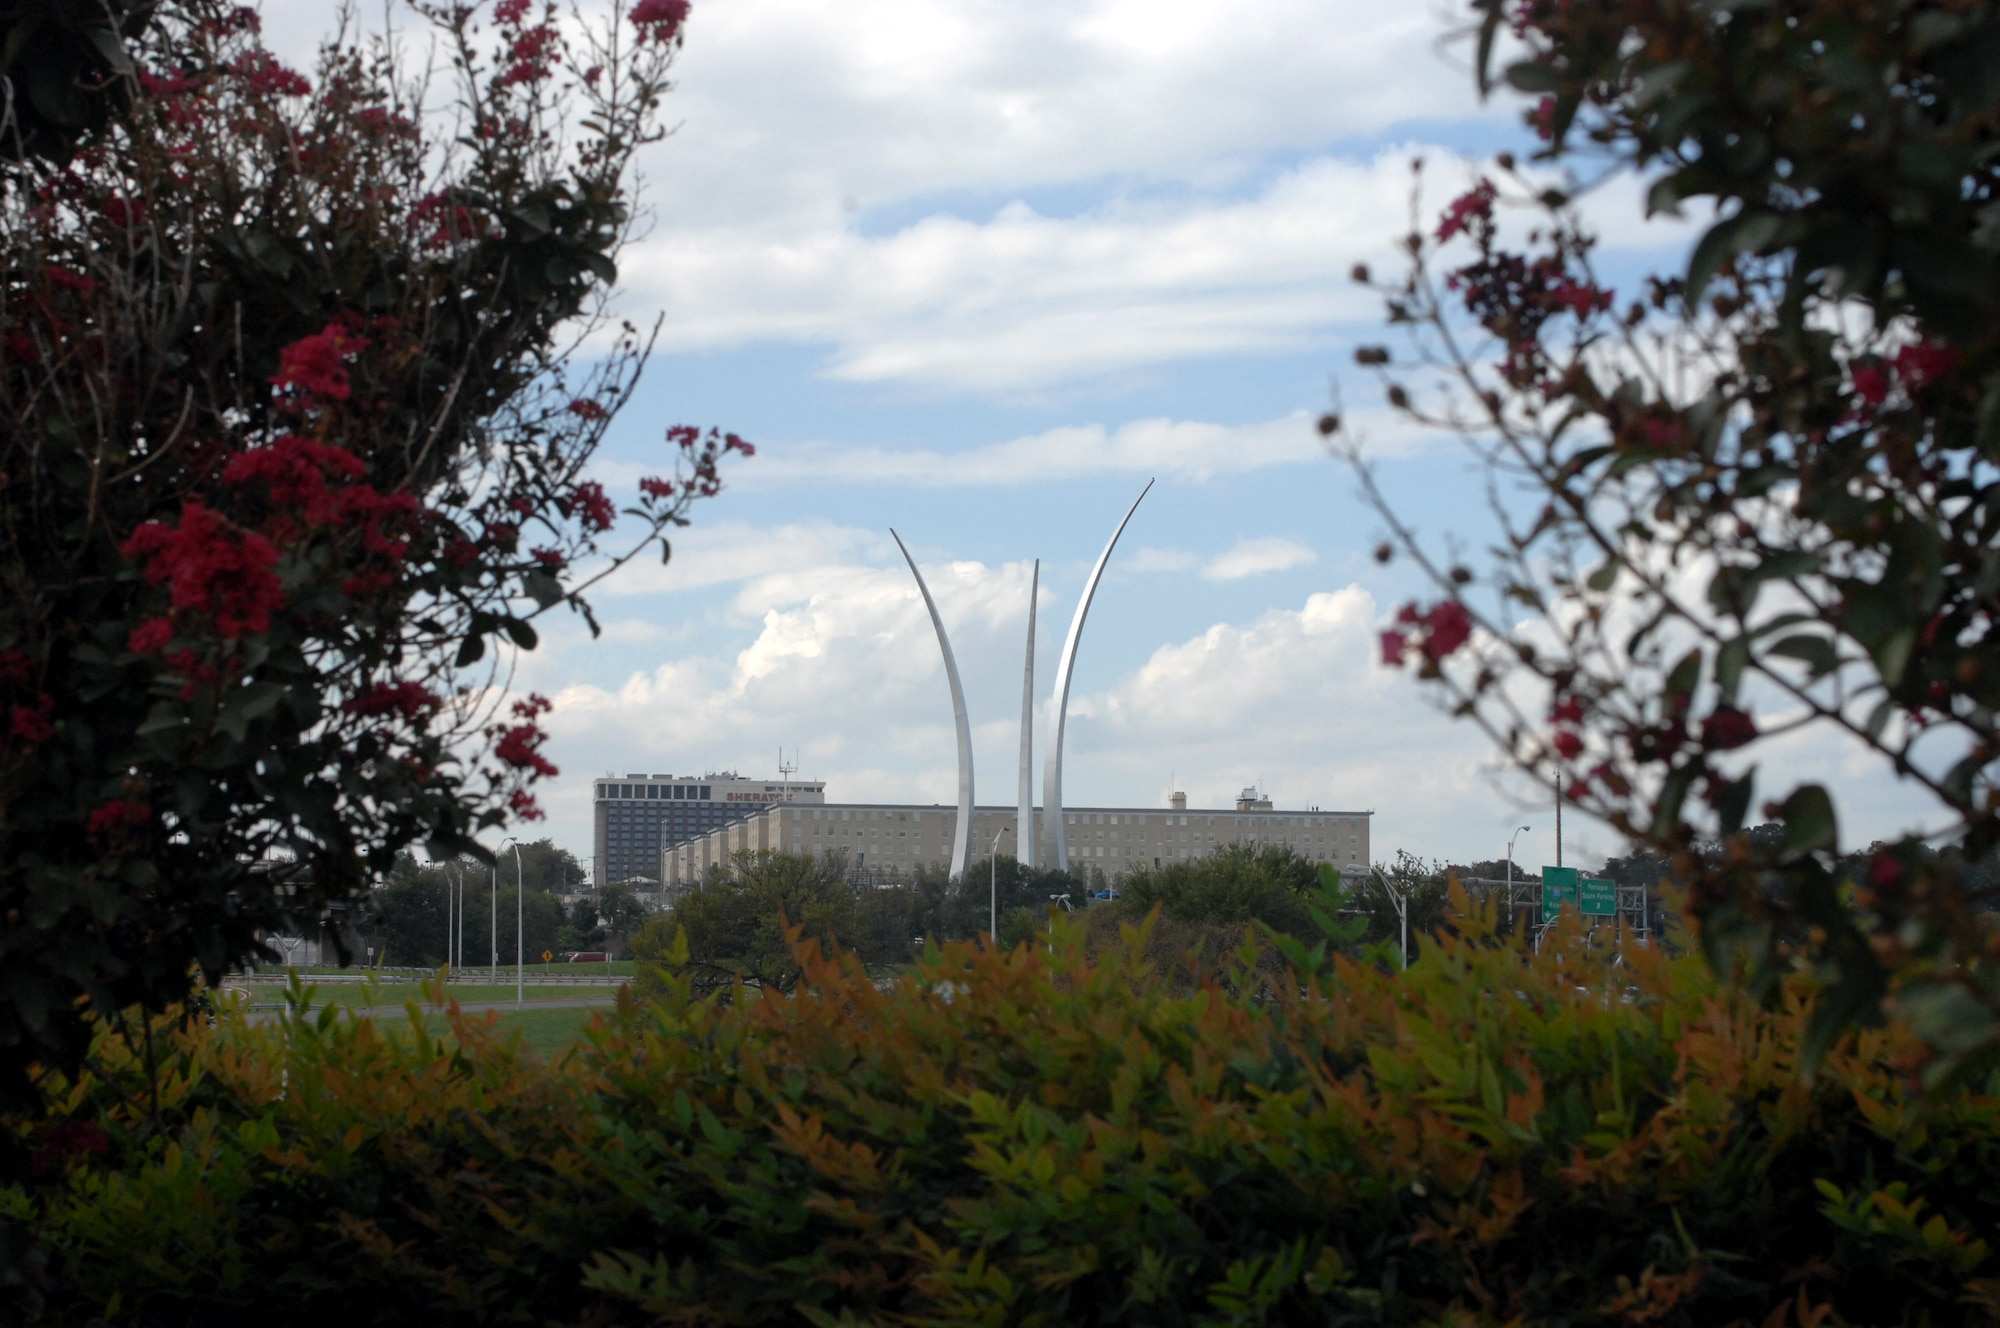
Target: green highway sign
1598,897
1559,887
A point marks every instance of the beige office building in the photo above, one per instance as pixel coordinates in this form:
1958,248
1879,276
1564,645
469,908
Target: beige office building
885,839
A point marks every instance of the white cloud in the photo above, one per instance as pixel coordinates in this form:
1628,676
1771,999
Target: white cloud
794,107
1190,449
1255,557
1023,300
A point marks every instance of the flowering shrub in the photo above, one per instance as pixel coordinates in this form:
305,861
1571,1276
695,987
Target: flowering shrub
288,383
1748,501
1034,1137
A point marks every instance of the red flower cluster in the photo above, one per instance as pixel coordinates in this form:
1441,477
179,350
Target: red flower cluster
406,700
1727,728
118,816
1434,635
1912,368
34,723
381,122
593,508
151,637
533,54
263,75
519,745
211,566
316,366
296,471
1579,297
448,223
64,279
1567,715
587,409
659,20
126,213
1470,211
510,12
654,487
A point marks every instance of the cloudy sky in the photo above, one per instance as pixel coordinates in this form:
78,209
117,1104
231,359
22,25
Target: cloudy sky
977,271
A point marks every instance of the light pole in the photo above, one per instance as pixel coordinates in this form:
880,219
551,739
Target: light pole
1510,870
993,858
520,913
493,916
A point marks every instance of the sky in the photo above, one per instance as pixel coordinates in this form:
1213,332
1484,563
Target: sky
977,272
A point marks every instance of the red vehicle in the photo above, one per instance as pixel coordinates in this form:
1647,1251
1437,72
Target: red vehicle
588,957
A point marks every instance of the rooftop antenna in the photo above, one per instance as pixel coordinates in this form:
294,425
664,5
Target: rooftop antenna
785,773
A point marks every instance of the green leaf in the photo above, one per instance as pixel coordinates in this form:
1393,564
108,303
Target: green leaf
1816,652
542,587
1686,675
1732,803
1745,232
1673,792
1729,664
519,632
1533,76
1810,825
472,650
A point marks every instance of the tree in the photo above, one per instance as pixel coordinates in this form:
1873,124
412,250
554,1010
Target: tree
1236,884
300,377
617,914
1749,500
735,925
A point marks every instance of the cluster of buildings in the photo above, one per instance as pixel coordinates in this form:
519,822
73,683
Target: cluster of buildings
668,830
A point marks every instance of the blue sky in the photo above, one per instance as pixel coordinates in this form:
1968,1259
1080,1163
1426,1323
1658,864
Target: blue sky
978,270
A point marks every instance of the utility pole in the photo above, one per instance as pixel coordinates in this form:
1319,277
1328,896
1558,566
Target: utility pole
1559,818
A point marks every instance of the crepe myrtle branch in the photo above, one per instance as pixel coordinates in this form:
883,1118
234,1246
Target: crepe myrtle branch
1527,446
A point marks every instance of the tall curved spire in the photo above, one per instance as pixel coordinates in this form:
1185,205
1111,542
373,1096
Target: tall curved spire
961,837
1024,819
1052,811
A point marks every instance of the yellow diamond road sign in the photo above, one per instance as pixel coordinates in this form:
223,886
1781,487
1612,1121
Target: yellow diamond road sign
548,955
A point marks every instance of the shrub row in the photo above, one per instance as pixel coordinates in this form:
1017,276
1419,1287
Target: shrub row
1035,1137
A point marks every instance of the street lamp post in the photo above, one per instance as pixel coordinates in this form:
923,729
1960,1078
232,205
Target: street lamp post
520,915
1510,871
1402,915
493,916
993,858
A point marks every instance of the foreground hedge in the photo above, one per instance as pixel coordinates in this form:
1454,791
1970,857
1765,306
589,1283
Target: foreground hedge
1032,1138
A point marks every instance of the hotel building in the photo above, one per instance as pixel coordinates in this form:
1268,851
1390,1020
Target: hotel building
640,817
889,838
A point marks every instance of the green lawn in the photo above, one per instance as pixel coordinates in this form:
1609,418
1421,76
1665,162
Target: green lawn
544,1032
618,968
398,993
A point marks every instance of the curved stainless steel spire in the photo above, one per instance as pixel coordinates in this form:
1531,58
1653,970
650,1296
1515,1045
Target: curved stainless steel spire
1024,820
1052,811
961,837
